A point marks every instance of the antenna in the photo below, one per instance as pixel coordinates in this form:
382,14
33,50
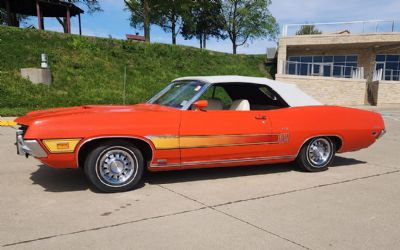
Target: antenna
124,91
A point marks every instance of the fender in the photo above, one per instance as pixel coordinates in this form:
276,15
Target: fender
90,139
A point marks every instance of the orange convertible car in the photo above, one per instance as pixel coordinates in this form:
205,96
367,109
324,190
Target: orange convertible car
196,122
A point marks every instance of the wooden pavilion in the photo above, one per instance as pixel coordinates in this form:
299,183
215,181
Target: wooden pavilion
43,8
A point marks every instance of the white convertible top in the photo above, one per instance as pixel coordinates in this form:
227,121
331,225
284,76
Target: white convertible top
293,96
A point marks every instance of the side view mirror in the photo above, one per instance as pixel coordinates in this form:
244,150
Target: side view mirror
200,105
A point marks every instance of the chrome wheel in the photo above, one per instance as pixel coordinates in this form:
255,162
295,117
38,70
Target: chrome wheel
116,166
319,152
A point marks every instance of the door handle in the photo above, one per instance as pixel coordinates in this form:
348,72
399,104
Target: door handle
261,117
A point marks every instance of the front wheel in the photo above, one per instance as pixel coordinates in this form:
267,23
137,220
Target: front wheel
114,166
317,154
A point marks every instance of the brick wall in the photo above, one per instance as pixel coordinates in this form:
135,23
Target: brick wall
388,92
330,90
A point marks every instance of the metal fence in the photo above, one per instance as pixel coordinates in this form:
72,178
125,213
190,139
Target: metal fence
322,69
387,75
354,27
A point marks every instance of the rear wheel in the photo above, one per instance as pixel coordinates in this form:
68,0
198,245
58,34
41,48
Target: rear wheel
316,154
114,166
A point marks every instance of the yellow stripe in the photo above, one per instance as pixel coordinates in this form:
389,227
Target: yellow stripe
165,142
8,123
53,145
175,142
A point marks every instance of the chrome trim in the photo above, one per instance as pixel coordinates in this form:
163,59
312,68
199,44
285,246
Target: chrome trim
237,160
150,137
165,165
283,138
190,163
161,92
382,133
29,147
191,101
36,149
78,148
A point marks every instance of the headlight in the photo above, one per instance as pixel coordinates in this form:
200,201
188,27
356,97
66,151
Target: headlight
61,145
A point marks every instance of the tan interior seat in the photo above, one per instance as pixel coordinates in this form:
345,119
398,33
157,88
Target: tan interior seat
214,104
240,105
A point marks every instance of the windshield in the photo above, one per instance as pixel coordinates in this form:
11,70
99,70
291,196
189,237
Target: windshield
178,94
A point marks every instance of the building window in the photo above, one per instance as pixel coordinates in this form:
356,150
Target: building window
390,64
336,66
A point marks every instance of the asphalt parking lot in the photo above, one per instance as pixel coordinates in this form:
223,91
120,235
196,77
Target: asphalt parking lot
354,205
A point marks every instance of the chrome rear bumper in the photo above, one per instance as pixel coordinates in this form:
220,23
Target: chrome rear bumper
383,131
28,147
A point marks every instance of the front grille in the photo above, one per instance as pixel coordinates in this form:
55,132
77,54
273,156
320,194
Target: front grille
23,128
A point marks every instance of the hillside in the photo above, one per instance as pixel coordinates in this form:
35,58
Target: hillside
88,70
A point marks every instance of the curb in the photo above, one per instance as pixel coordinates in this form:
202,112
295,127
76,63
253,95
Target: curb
7,123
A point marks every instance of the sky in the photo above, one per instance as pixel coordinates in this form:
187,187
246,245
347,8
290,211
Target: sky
114,20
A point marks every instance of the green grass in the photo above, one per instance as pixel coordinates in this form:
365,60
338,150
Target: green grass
88,70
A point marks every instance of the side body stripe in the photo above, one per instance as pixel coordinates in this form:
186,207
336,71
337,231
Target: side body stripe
196,141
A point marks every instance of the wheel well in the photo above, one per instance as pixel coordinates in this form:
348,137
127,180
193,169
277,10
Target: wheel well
335,139
87,147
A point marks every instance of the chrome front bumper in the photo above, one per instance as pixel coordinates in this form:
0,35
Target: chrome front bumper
28,147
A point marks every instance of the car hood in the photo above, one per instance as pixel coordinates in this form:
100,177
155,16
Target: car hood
88,109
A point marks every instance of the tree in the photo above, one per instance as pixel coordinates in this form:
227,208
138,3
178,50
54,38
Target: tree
204,20
308,29
15,19
247,20
170,15
91,5
143,14
3,17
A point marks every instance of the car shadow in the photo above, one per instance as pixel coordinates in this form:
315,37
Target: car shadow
62,180
69,180
340,161
232,172
189,175
59,180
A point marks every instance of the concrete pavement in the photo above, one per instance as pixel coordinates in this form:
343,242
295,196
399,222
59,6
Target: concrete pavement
353,205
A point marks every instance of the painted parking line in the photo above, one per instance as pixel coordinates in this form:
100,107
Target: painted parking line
391,117
391,113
